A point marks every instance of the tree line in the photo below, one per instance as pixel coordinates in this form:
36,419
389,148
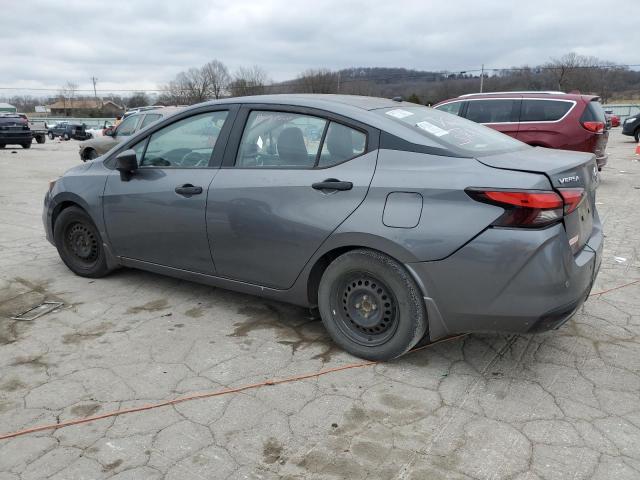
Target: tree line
213,80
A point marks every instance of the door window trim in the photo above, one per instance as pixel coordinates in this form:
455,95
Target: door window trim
218,150
230,156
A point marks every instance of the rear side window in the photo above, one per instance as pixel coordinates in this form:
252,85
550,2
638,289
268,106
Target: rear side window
128,126
593,113
544,110
453,107
492,111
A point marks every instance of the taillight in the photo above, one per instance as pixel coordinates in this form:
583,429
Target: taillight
522,208
595,127
572,198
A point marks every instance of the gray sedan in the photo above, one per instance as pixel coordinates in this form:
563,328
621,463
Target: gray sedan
396,221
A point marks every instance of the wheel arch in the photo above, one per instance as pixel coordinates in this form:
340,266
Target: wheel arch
343,243
65,200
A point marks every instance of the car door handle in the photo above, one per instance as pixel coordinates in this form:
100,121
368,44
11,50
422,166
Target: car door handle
332,184
188,189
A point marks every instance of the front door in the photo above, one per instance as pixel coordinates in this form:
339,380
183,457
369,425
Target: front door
294,178
158,215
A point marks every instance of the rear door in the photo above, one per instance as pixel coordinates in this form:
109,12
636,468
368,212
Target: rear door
294,176
501,114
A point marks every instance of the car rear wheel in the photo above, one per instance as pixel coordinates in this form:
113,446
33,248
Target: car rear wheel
66,136
371,306
41,139
26,145
636,134
2,145
51,136
90,154
79,243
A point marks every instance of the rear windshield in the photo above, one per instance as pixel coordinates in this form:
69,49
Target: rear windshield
454,133
13,120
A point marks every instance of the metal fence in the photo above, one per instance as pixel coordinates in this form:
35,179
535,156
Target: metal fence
623,110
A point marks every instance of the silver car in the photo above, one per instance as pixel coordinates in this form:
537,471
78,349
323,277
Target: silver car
396,221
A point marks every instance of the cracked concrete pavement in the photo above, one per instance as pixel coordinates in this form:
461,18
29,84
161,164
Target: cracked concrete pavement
559,405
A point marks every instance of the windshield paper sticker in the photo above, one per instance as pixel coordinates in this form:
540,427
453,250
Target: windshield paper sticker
431,128
398,113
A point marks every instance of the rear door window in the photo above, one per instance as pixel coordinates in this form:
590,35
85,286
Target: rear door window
341,143
544,110
492,111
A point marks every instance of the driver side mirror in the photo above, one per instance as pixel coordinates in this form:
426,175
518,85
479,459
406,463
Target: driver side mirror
126,164
110,132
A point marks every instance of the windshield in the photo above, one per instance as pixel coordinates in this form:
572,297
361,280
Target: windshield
454,133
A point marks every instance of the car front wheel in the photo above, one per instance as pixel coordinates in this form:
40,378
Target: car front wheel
51,136
371,306
66,137
79,243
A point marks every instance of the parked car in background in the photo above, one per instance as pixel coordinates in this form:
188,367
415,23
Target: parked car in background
399,221
613,119
112,136
39,130
14,130
68,131
543,119
96,129
631,127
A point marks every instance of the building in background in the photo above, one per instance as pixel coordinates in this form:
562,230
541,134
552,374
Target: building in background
7,108
85,108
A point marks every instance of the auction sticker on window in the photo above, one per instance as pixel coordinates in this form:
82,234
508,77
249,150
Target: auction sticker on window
399,113
431,128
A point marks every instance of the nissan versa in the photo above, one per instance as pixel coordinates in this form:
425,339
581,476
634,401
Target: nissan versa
395,220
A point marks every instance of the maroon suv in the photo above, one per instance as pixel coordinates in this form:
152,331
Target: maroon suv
545,119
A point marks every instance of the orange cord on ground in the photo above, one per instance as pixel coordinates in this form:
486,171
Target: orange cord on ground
226,391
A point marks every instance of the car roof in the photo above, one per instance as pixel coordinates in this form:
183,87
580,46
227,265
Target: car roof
318,100
543,95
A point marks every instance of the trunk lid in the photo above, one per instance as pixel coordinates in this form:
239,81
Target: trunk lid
565,170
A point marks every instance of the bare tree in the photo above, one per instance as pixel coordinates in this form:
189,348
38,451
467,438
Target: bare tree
217,78
318,81
248,81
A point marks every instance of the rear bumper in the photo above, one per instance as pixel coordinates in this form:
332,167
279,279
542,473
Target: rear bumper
16,138
509,280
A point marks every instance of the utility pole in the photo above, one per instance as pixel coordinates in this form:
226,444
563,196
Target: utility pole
482,78
94,80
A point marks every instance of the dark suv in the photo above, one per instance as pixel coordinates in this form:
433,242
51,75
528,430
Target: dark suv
544,119
68,130
631,127
14,130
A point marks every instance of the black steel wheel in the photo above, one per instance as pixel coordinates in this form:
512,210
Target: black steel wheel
366,309
371,306
79,243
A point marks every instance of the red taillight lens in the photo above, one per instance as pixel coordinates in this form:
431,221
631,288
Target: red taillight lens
523,209
595,127
572,198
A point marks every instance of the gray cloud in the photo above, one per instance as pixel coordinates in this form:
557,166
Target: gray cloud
143,43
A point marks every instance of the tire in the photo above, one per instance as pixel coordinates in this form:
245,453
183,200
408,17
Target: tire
66,137
90,154
51,136
636,134
41,139
2,145
371,306
79,243
26,145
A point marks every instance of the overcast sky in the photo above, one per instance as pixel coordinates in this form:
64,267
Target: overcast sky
139,44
